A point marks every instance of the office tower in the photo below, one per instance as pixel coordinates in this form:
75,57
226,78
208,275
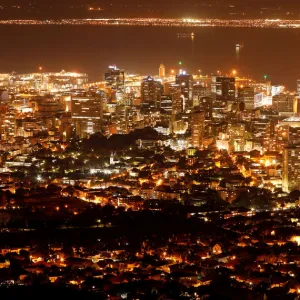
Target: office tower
178,101
49,109
115,78
284,103
269,140
288,132
115,82
162,71
291,168
206,104
223,88
166,104
223,91
7,126
198,126
87,114
200,91
246,95
236,132
151,91
185,81
121,119
65,127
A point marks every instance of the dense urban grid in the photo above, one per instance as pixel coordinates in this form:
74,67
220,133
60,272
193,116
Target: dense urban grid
149,187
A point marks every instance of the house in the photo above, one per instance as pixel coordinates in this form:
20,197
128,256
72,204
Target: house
217,249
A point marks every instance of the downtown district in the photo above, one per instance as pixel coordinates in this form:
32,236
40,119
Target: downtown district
140,187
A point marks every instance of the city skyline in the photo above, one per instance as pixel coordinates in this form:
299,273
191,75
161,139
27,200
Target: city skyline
150,150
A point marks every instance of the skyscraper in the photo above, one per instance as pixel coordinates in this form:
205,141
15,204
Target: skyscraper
206,104
223,91
115,77
162,71
115,81
166,103
87,114
151,91
198,126
284,103
185,81
246,95
178,101
291,169
223,87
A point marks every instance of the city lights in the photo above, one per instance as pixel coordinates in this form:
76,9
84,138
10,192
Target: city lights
241,23
174,176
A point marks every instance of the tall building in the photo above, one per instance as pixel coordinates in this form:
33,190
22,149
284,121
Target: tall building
122,119
115,80
206,104
246,95
223,91
7,126
200,91
151,92
236,132
166,103
198,127
162,71
284,103
178,101
48,109
223,88
291,169
87,114
65,127
286,135
185,81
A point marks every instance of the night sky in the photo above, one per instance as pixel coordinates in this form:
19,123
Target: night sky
167,8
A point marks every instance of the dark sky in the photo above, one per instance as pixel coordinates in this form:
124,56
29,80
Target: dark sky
166,8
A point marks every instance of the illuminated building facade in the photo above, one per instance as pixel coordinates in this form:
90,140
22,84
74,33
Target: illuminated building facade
284,103
115,78
166,104
246,95
291,169
87,114
206,104
151,92
185,81
178,101
223,91
49,109
7,126
162,71
223,88
236,131
200,91
198,126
